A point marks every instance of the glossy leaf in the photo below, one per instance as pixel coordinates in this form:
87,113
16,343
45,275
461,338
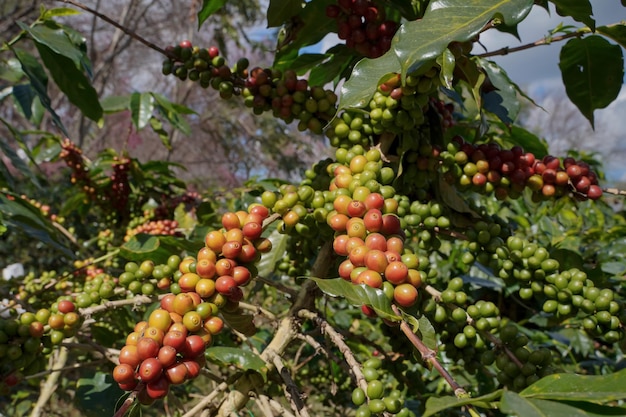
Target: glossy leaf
417,44
208,8
39,80
239,358
435,405
141,107
446,62
365,78
267,264
72,82
56,40
358,295
451,20
506,89
592,70
593,388
280,11
579,10
615,32
143,246
517,405
19,214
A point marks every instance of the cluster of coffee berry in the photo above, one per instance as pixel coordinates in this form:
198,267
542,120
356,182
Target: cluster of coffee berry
119,188
155,227
566,294
288,97
487,168
363,25
73,157
168,348
372,400
395,108
26,339
110,192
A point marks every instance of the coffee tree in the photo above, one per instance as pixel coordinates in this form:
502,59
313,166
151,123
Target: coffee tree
441,262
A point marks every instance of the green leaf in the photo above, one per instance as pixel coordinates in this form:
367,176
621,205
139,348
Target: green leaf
417,44
72,82
243,323
144,246
435,405
517,135
451,20
242,359
55,40
517,405
267,264
358,295
592,388
592,70
58,12
24,96
280,11
141,107
94,394
22,216
506,89
446,62
157,127
311,28
427,332
208,8
18,162
173,112
579,10
615,32
365,78
39,80
114,104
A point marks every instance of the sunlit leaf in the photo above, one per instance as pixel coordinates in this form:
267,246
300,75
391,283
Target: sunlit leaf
593,388
239,358
435,405
517,405
141,107
358,295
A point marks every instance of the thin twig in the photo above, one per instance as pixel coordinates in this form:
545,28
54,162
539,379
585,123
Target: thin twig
136,300
292,391
338,341
206,400
429,355
547,40
117,25
614,191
